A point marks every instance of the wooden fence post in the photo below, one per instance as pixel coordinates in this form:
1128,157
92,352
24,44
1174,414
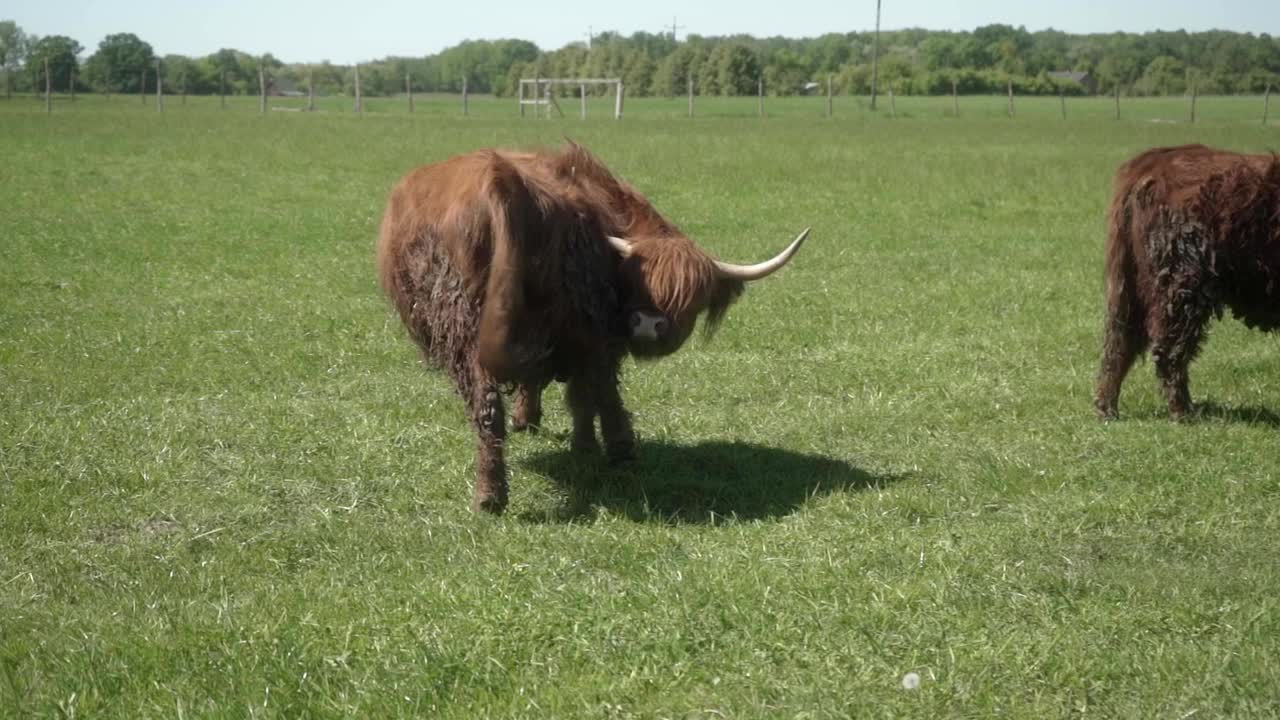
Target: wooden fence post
1117,101
48,88
159,88
760,93
359,103
1266,104
582,99
142,88
893,106
617,104
223,89
466,107
689,82
184,87
262,88
311,90
1193,104
408,89
955,99
1062,97
73,86
1011,111
828,95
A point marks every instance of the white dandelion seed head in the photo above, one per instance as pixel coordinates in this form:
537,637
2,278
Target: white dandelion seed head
910,681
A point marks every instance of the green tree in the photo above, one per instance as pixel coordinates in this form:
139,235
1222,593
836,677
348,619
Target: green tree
736,69
13,49
671,77
942,51
786,73
1164,76
119,62
897,73
1121,63
637,71
854,79
60,51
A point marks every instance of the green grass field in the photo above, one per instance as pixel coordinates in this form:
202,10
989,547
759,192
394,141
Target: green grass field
228,488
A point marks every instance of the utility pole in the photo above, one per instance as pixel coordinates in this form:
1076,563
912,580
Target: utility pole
674,28
875,57
589,34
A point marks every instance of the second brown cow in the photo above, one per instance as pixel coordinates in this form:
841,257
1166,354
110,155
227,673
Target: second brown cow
1192,231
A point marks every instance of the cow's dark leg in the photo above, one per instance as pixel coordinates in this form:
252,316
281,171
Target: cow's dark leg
615,421
1181,329
581,399
485,405
1124,339
594,391
528,410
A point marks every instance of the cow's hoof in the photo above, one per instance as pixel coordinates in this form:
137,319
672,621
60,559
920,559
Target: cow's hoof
524,426
1106,411
585,446
490,503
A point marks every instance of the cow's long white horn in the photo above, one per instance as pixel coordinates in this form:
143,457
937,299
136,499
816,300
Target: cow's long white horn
620,245
764,269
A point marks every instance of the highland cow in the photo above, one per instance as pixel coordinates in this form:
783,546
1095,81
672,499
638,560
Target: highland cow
513,269
1192,230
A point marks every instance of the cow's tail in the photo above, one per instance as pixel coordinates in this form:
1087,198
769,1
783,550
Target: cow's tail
1124,335
1121,270
512,219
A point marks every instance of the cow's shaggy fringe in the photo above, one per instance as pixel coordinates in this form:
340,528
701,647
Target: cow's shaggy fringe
1191,231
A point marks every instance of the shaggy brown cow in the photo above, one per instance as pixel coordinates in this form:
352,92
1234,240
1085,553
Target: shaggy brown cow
1191,230
515,269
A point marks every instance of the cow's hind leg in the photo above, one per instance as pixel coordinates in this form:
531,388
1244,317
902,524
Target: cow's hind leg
527,414
487,415
1181,331
1125,338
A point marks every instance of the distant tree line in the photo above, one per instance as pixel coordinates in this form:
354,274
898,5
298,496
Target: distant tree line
911,62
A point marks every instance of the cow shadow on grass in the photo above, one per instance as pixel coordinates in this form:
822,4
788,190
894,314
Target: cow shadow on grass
705,483
1247,414
1209,412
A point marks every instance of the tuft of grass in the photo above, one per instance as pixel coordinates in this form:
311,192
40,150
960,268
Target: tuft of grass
227,487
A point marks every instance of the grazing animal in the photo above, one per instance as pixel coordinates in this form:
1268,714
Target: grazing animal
512,269
1192,230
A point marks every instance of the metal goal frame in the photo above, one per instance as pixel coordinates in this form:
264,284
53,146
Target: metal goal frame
538,93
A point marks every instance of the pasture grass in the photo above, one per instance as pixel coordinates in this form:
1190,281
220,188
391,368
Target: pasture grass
228,488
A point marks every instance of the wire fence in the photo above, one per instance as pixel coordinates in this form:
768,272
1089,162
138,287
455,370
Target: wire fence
1191,108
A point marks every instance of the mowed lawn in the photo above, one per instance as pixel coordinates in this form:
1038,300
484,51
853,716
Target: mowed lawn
228,488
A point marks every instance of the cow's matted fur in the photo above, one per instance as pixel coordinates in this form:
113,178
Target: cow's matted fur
500,266
1192,230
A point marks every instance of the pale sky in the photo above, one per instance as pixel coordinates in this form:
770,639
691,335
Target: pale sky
346,32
